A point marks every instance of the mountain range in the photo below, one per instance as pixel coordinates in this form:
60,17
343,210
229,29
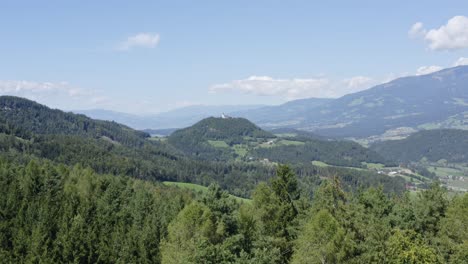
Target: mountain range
178,118
213,150
396,108
436,100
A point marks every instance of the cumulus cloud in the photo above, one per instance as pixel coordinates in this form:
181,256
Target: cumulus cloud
295,88
451,36
140,40
55,94
19,87
461,61
417,30
359,83
268,86
428,69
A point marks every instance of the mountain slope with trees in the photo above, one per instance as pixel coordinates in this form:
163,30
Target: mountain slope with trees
24,117
218,139
436,100
131,153
432,145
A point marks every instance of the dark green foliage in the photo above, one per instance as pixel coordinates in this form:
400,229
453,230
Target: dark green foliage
150,162
33,131
219,129
321,240
53,211
55,214
434,145
370,227
24,118
58,214
351,179
194,140
339,153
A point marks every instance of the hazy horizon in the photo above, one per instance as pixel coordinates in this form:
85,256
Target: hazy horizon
157,57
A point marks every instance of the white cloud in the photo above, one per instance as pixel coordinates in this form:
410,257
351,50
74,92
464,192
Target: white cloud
451,36
417,30
359,83
54,94
142,40
461,61
18,87
427,69
287,88
295,88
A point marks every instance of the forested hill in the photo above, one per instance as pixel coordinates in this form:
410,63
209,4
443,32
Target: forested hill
211,138
239,139
213,128
30,131
434,145
24,117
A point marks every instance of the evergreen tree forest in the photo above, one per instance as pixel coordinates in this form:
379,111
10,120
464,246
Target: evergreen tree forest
59,214
29,130
78,190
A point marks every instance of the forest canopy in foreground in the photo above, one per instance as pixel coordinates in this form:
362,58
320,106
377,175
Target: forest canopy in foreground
59,214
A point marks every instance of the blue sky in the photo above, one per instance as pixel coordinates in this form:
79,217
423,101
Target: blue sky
151,56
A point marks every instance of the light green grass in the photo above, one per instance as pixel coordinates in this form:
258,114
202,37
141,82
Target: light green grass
161,139
286,135
323,164
191,186
280,142
319,163
200,188
373,165
284,142
218,143
444,171
240,150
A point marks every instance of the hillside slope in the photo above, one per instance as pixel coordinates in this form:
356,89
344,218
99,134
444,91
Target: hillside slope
436,100
30,131
28,117
434,145
211,138
177,118
287,114
238,138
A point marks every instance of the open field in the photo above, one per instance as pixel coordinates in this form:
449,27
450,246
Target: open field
319,163
374,165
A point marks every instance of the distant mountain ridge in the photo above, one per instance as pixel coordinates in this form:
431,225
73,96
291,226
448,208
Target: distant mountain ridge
31,131
178,118
436,100
404,105
284,115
